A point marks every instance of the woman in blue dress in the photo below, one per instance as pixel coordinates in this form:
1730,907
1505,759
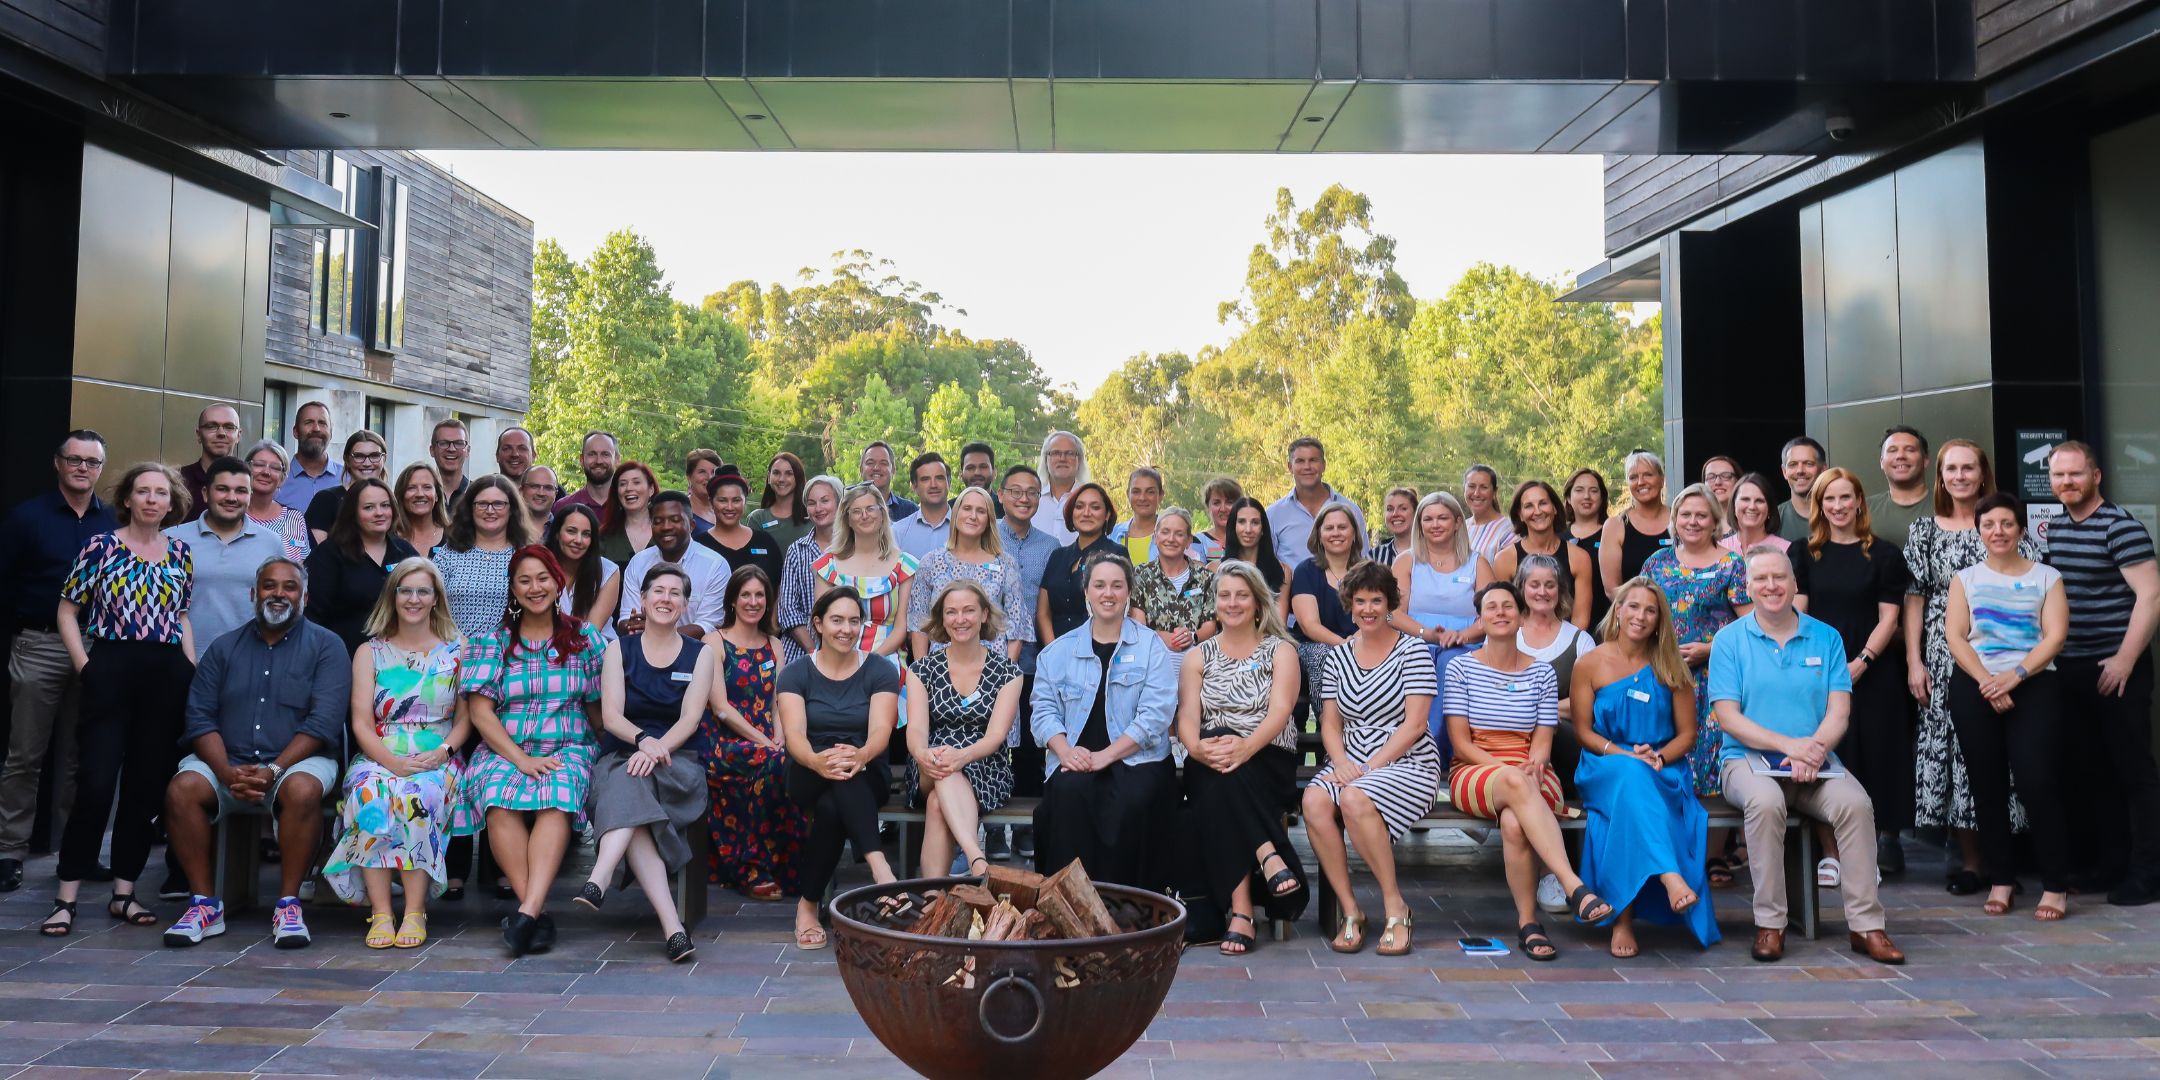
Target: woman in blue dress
1634,705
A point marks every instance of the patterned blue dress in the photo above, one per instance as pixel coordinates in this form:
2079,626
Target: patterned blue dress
1703,600
541,701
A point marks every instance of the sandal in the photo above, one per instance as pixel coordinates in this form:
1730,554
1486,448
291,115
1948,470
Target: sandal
1283,882
763,890
52,926
1719,871
1234,943
1589,909
1388,947
379,933
123,908
1350,936
1993,906
412,933
1829,872
453,894
2050,913
1535,943
810,938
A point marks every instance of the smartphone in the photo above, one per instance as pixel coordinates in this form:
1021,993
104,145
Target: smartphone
1482,946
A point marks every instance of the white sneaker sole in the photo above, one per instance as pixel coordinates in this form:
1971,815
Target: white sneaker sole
182,940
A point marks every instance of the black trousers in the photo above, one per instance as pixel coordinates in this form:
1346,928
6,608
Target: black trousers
2025,741
1027,758
1114,820
2119,823
134,694
841,812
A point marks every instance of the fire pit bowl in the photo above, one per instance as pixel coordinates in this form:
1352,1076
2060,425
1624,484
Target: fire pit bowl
950,1007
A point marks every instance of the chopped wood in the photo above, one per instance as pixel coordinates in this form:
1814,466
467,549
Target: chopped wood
947,916
1012,882
1036,925
975,896
1015,905
1073,886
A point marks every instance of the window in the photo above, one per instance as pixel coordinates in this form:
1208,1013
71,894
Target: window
379,414
335,254
277,406
390,265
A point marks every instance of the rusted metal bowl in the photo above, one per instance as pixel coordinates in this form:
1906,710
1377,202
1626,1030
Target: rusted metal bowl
949,1007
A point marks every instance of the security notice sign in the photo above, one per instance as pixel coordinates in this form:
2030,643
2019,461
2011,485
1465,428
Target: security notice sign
2033,447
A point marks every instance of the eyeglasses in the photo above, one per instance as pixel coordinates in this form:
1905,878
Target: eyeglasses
1063,454
1022,492
866,511
451,444
265,466
367,459
74,462
416,592
224,429
1720,477
491,506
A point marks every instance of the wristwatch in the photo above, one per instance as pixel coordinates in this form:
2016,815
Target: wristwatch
2022,674
276,770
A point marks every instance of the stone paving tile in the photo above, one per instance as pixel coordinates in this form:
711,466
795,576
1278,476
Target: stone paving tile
216,1015
116,1054
570,1066
414,1064
1683,1031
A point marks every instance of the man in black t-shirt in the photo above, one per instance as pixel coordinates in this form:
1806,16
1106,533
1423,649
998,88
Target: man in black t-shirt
2113,585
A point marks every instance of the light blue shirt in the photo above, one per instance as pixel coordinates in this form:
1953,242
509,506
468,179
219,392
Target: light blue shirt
1139,704
1033,554
1288,519
918,537
225,573
299,488
1785,688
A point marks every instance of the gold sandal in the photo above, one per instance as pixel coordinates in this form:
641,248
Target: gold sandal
412,933
379,934
1342,935
1387,946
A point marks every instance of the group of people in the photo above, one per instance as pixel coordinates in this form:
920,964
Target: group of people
453,655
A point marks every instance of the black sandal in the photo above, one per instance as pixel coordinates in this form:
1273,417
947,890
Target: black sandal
119,908
1533,938
1584,902
53,927
1283,882
1719,871
1244,942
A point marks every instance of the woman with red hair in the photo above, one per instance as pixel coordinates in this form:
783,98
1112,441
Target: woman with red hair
532,688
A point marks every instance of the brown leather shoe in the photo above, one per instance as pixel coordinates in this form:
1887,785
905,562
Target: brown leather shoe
1769,945
1878,947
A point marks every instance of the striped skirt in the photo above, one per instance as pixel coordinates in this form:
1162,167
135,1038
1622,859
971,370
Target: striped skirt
1468,785
1402,790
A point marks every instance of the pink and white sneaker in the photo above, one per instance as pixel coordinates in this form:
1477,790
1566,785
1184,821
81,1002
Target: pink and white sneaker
287,929
204,918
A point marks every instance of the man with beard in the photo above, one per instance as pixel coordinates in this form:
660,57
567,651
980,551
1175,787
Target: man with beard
217,431
312,470
448,446
537,488
228,550
978,468
514,454
1904,464
707,568
597,459
1801,461
268,700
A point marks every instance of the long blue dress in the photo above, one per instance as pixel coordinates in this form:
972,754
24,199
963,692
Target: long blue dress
1642,822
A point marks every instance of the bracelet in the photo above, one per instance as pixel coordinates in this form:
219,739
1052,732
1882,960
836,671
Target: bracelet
1608,746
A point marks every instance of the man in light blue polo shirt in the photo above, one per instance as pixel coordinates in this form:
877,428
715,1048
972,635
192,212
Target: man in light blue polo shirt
228,549
926,530
1780,689
1291,517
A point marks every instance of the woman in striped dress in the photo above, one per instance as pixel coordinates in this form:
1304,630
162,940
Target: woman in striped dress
1383,771
532,688
1490,530
1501,709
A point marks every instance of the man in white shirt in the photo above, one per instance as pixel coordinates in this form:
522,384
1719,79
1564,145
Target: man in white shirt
671,543
925,530
1064,466
1291,517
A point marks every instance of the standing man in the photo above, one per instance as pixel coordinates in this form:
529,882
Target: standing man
925,530
1800,461
1904,464
217,431
699,467
1779,685
1063,467
228,548
38,545
876,466
597,459
450,445
312,470
1031,547
2113,586
537,488
708,571
514,454
1291,517
978,468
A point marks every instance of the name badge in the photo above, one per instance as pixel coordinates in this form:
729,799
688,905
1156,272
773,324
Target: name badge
1464,579
766,666
1124,658
1192,592
1252,665
967,701
1812,661
759,551
1639,696
1514,688
1664,541
2016,585
679,676
768,524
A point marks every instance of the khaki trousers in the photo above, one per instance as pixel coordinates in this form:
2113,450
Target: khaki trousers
42,695
1841,803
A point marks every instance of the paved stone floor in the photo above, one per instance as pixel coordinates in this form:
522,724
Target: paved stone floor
1979,998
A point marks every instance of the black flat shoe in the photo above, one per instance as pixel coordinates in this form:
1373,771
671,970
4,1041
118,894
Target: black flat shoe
1889,854
1963,883
505,892
543,937
11,875
518,933
591,896
679,947
452,895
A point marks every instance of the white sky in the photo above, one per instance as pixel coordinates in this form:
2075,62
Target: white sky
1084,259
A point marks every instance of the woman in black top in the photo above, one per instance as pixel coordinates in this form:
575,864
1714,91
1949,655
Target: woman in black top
345,573
1250,539
1587,506
736,541
1632,537
837,712
1061,606
1855,581
365,459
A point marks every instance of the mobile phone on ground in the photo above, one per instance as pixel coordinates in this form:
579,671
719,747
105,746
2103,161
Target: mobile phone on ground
1482,946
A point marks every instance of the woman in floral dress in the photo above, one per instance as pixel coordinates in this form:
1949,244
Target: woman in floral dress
867,559
532,688
401,787
757,831
1707,587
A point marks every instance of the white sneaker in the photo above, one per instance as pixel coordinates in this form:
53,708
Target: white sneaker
205,918
1551,896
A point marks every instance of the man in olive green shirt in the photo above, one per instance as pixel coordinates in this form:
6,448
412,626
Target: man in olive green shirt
1801,460
1893,509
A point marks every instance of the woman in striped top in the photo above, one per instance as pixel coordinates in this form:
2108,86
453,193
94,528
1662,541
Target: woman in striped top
1490,530
2007,620
1383,771
1501,708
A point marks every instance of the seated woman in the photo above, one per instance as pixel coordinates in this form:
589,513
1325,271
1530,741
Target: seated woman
1235,693
1383,770
837,712
1634,713
1171,595
1501,707
961,700
649,784
757,833
532,689
1104,697
1316,587
401,786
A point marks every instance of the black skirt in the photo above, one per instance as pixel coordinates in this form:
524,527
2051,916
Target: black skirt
1878,742
1228,817
1113,820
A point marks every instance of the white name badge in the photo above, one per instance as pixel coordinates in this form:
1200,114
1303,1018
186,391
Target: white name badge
1192,592
679,676
1639,696
1813,661
766,666
759,551
768,524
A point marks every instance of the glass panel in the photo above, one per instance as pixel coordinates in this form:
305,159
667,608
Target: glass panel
396,290
277,403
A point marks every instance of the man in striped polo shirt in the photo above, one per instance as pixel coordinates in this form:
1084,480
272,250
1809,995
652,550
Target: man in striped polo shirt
2113,585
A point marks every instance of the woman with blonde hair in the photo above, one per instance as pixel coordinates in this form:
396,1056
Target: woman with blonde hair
1645,527
821,498
867,559
1633,709
973,552
1436,581
401,787
961,701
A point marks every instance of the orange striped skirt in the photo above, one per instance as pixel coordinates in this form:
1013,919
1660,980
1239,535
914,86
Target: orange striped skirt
1468,785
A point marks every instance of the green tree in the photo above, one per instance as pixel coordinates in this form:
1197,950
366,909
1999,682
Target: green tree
555,281
860,294
1360,402
878,414
954,419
